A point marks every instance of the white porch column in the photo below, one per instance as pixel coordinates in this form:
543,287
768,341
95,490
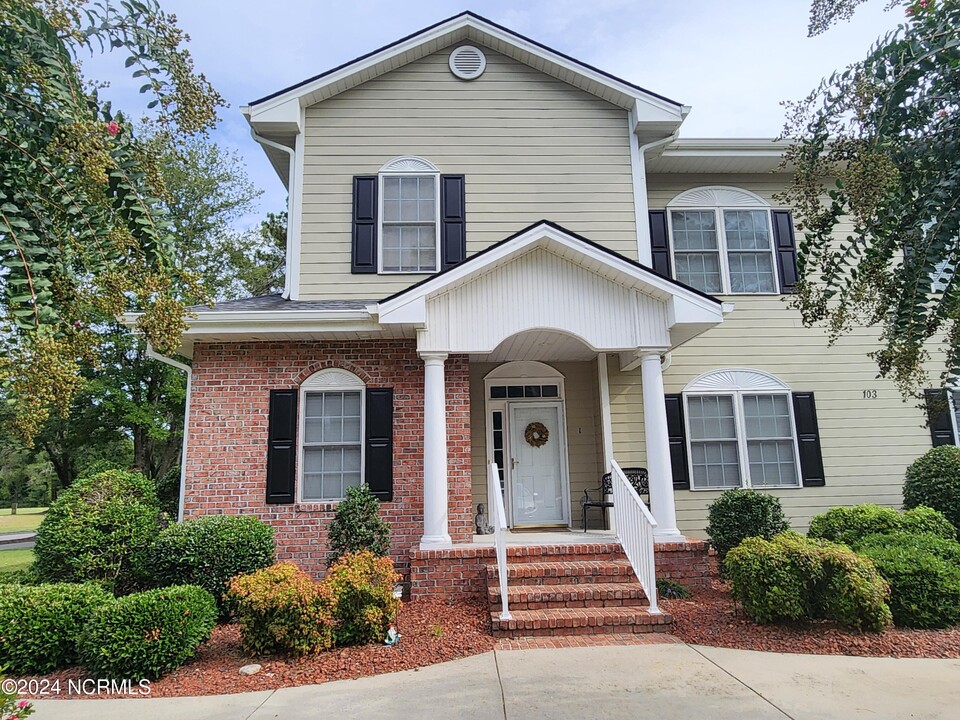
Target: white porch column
658,449
435,532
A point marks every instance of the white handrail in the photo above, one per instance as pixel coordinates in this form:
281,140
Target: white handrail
499,517
635,526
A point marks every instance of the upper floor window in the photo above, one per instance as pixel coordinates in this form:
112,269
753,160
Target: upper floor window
722,241
331,446
409,216
741,431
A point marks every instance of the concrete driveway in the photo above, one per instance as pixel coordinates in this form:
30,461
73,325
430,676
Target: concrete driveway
662,681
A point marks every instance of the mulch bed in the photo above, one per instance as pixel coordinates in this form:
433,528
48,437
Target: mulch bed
711,617
432,631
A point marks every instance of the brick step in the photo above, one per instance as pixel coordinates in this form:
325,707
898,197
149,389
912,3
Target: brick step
585,551
564,573
577,595
579,621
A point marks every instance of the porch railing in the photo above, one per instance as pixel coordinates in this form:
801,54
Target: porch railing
634,525
498,515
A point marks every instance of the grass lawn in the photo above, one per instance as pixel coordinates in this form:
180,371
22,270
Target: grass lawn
25,519
13,560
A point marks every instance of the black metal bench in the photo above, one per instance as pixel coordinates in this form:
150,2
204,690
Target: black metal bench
635,476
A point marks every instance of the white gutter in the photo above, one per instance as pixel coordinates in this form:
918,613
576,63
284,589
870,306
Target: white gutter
151,353
640,202
291,275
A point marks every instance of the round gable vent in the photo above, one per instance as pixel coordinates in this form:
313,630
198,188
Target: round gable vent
467,62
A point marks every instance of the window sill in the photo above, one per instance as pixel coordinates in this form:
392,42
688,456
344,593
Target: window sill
407,272
744,487
316,506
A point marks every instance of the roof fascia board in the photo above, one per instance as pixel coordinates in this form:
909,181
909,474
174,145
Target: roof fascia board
450,27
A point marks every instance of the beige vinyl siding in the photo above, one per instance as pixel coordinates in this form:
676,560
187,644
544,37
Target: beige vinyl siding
583,431
531,148
867,443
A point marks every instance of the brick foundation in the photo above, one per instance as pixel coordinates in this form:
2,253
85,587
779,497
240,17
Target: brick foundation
227,438
461,571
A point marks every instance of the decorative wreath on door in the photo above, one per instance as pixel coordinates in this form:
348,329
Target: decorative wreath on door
536,434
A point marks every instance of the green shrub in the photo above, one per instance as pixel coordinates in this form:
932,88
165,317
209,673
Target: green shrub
794,578
357,526
849,525
739,514
98,529
209,551
934,480
669,590
282,610
40,624
946,550
924,588
362,585
147,634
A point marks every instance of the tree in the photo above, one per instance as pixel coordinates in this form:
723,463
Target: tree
877,147
83,230
258,258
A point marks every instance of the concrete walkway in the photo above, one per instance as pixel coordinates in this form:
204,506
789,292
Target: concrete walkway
664,681
14,540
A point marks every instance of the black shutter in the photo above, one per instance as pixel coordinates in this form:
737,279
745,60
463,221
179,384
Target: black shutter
938,417
660,243
786,244
677,434
364,245
808,439
378,462
282,447
453,236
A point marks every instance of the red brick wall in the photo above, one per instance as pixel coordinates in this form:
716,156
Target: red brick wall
227,442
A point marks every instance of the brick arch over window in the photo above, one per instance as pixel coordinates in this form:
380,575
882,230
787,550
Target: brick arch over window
316,367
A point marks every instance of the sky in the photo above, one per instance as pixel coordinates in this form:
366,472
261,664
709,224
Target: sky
733,61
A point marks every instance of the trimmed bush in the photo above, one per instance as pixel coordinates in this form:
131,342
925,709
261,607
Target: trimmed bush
362,585
209,551
849,525
934,480
739,514
924,588
794,578
946,550
40,624
147,634
357,526
282,610
98,529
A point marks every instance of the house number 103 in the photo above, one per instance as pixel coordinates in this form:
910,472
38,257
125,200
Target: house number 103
869,394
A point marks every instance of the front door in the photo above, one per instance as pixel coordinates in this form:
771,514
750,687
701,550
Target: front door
538,467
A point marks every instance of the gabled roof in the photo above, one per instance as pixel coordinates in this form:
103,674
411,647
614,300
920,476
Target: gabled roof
467,26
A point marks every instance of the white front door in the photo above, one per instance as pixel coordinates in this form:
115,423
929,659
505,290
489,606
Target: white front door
538,482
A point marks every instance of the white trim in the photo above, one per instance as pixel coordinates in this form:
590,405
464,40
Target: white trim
740,382
727,379
408,165
409,172
329,380
641,202
295,215
182,494
606,419
722,196
526,370
458,72
465,26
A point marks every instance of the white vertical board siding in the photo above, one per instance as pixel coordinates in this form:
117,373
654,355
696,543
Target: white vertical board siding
583,431
867,443
531,148
542,290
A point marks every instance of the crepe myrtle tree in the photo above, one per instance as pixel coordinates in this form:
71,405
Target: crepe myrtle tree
83,231
876,191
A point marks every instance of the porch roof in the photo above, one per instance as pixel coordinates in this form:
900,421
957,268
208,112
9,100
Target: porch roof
548,278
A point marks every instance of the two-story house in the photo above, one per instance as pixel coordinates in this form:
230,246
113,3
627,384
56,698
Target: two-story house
499,254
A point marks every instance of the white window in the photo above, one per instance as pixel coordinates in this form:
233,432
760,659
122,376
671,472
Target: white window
331,432
409,216
741,431
722,241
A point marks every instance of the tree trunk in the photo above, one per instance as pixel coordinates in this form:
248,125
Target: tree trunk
13,507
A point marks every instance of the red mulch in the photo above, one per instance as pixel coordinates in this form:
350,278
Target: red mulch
710,617
432,631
